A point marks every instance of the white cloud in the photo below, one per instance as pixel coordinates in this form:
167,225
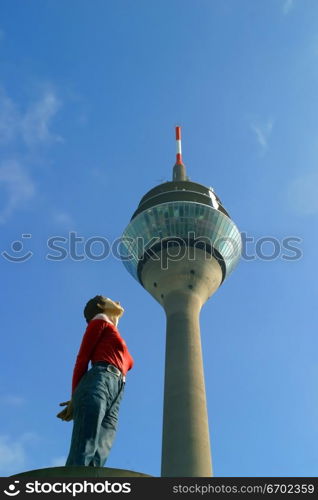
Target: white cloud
36,121
101,175
13,454
18,186
287,6
31,126
63,219
262,131
12,400
302,194
29,436
58,462
27,129
9,118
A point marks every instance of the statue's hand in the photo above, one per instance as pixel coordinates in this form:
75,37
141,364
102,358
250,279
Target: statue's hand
67,413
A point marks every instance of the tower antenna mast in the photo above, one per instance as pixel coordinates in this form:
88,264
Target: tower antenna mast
179,171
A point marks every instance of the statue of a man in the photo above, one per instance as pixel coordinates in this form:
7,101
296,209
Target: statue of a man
96,393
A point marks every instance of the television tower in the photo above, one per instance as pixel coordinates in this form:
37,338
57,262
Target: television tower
180,245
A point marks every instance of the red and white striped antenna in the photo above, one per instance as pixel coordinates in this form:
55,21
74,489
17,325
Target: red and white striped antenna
179,149
179,172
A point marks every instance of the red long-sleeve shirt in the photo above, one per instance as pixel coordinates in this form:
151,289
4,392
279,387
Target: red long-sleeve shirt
101,342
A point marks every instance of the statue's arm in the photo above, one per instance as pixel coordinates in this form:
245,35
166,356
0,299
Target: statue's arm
89,341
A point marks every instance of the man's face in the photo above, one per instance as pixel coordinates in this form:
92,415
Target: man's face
113,307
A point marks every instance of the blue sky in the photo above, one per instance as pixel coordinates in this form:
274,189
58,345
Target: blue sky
90,93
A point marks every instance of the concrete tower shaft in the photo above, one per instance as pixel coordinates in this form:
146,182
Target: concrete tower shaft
182,288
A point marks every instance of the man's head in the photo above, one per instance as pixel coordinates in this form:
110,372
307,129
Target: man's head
100,304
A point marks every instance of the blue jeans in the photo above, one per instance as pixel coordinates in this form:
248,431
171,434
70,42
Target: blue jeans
96,402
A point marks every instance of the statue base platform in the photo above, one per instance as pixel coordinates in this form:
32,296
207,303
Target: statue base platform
80,471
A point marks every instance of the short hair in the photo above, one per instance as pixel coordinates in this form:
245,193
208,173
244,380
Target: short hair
94,306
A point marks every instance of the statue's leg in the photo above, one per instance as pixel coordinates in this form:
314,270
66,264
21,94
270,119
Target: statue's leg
108,427
90,404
